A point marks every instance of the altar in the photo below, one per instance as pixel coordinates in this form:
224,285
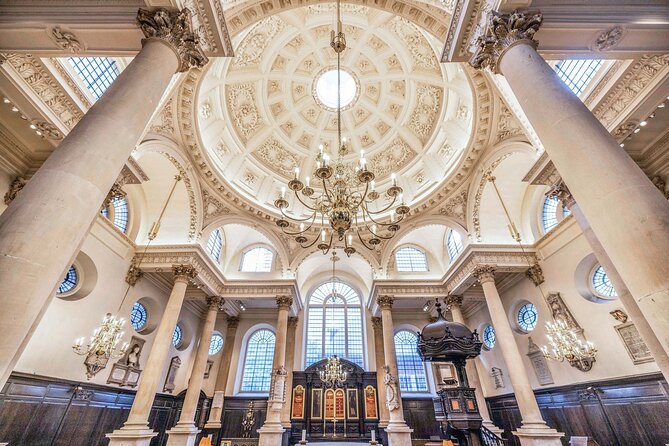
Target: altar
335,414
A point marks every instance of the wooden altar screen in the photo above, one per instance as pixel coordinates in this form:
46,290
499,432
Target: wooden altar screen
314,406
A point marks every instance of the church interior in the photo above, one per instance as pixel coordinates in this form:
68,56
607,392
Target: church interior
381,222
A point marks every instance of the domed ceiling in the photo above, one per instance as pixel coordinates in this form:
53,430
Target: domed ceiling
266,111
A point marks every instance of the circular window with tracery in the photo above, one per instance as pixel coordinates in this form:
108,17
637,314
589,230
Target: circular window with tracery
527,317
138,316
177,336
489,336
601,284
216,344
70,281
325,88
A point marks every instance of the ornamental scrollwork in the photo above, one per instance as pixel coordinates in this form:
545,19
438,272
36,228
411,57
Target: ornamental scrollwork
392,397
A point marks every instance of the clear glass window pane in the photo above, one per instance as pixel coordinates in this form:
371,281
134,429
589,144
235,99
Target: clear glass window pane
410,368
215,244
98,73
489,336
70,281
411,260
216,344
258,362
454,244
138,316
602,284
120,205
577,73
528,317
177,336
257,260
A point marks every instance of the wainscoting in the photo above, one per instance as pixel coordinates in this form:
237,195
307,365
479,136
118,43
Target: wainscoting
624,412
41,411
419,415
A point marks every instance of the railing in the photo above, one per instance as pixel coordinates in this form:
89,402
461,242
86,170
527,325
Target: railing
489,438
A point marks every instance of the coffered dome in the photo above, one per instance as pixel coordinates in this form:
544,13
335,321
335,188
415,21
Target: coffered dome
266,111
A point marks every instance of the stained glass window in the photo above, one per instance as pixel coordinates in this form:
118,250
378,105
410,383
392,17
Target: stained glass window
489,336
138,316
177,336
602,284
410,368
98,73
258,362
552,213
70,281
577,73
528,317
410,260
334,324
257,260
454,244
216,344
214,245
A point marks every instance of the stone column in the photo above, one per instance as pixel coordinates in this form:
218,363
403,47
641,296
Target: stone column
455,305
534,430
627,213
629,303
380,359
216,412
185,432
54,211
290,359
399,434
135,431
272,431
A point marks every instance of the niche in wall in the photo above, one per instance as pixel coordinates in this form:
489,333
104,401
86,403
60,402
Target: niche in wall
87,278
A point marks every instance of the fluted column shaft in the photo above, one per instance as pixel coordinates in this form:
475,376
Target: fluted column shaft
522,389
54,211
214,421
626,299
187,418
380,359
627,213
155,364
454,303
290,359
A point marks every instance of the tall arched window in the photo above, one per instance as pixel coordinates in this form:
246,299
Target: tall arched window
454,244
552,213
410,368
257,373
334,324
214,245
409,259
257,260
117,212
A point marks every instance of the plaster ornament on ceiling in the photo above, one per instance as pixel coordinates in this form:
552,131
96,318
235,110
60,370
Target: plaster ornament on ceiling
479,194
507,125
243,109
165,124
66,39
608,39
421,52
276,155
425,114
625,129
249,52
46,130
205,110
193,234
456,207
14,188
396,156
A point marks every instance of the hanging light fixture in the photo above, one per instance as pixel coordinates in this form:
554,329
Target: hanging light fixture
333,373
103,345
347,202
567,345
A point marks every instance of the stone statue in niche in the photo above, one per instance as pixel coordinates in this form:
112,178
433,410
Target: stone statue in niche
169,386
126,371
497,374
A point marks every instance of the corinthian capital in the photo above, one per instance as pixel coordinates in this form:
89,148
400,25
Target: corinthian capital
284,302
484,273
377,323
502,32
385,302
215,302
562,193
175,28
184,272
453,300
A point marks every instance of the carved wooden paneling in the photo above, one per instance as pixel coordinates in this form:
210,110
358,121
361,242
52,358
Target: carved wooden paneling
624,412
419,415
40,411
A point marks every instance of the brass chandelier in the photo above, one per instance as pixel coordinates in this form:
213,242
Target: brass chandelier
348,194
566,344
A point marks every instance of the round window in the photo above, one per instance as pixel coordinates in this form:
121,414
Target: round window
489,336
177,336
601,283
70,281
138,316
216,344
527,317
326,89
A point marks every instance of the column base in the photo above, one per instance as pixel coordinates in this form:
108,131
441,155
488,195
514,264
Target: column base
182,435
271,434
398,433
531,436
131,436
214,425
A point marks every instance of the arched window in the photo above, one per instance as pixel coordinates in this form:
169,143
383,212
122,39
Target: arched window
70,281
216,344
98,73
527,317
117,211
410,260
214,245
410,368
177,336
257,260
334,324
552,213
138,316
489,336
454,244
601,283
258,362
